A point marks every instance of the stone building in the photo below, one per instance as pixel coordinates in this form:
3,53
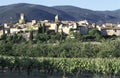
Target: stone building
109,29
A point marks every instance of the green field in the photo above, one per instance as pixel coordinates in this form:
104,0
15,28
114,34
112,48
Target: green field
73,67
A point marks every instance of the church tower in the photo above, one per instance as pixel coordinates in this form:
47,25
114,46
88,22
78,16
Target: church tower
56,18
22,16
22,19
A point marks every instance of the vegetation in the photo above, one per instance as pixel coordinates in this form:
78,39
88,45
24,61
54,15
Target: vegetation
95,34
70,48
51,52
51,44
74,66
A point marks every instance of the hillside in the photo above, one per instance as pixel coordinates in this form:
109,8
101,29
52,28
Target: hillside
10,13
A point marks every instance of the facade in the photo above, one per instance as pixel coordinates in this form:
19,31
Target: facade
109,29
83,29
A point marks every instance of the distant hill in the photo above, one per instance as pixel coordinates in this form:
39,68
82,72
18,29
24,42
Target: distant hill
81,14
11,13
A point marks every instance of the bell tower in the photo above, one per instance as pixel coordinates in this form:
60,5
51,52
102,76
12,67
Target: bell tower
22,16
56,18
22,19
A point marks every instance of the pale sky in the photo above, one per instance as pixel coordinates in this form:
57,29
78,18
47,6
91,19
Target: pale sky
88,4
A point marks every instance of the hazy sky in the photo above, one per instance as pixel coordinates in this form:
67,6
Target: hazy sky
88,4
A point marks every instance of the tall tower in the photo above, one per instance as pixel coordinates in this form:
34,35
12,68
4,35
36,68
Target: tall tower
56,18
22,19
22,16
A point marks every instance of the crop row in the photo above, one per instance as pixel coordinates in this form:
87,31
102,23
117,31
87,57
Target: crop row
68,65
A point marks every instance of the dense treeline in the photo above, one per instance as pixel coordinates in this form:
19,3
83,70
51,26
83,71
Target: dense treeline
46,43
108,67
69,48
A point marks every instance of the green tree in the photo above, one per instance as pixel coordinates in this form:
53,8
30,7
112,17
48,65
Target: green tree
41,28
4,37
77,35
95,34
6,48
31,35
42,37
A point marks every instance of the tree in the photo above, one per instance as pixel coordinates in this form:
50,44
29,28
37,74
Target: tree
55,37
41,28
42,37
14,38
31,35
4,37
77,35
95,34
6,48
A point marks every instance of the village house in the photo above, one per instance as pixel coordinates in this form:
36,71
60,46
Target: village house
109,29
83,27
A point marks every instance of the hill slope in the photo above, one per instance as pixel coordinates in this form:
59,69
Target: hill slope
10,13
93,16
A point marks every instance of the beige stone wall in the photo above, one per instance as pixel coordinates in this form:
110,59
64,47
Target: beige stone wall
34,22
1,32
110,32
117,32
66,30
53,26
15,30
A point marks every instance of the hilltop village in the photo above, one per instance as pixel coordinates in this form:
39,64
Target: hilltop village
70,49
65,27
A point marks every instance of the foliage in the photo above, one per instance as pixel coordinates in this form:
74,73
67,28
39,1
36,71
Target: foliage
42,37
94,33
78,35
56,45
14,38
68,65
68,48
31,35
41,28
